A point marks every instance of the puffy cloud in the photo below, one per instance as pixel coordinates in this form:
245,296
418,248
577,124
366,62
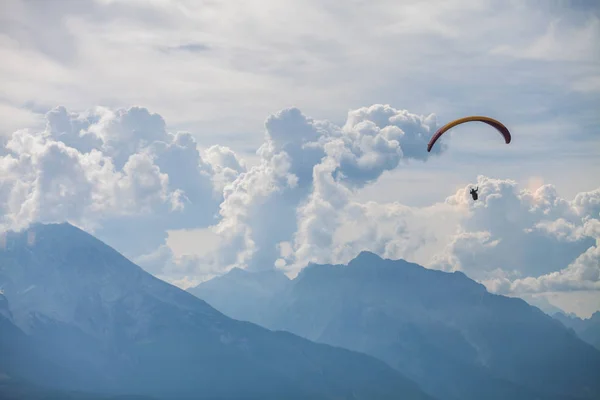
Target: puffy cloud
226,166
588,203
516,219
111,171
514,241
582,274
45,180
308,170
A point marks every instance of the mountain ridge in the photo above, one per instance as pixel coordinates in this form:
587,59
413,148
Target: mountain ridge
588,329
258,289
91,310
441,329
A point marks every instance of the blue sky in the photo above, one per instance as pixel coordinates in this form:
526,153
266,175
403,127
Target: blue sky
190,206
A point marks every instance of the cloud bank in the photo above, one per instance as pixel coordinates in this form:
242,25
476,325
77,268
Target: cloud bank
123,175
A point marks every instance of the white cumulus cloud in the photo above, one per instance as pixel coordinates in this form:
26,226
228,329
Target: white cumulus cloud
123,174
307,171
111,170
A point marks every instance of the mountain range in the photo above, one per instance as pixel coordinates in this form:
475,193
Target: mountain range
79,320
443,330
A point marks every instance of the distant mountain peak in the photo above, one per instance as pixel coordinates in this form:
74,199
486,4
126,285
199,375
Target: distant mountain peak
64,272
370,259
372,265
237,271
366,256
59,235
56,228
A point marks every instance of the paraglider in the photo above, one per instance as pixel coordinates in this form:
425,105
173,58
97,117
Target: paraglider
490,121
474,193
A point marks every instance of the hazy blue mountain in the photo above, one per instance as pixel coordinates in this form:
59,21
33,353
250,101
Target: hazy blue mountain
106,326
19,360
257,289
587,329
443,330
13,345
23,361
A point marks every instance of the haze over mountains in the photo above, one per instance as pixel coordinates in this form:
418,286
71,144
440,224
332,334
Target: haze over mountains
76,315
587,329
78,320
443,330
244,295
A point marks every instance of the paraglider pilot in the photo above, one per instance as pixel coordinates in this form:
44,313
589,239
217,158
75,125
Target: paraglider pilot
474,193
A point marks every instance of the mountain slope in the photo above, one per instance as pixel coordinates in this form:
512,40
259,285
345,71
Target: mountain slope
587,329
13,346
243,295
23,361
443,330
123,331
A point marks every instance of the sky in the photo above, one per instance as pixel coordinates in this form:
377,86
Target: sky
198,136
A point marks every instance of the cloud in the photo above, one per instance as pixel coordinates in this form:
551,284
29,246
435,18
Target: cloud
582,274
123,175
515,241
426,55
514,217
13,118
587,84
226,166
178,270
111,170
561,42
309,166
308,169
45,180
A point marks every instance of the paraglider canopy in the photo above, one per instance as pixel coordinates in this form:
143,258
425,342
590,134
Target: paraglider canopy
490,121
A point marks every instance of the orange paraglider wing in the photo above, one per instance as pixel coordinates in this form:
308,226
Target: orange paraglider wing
490,121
